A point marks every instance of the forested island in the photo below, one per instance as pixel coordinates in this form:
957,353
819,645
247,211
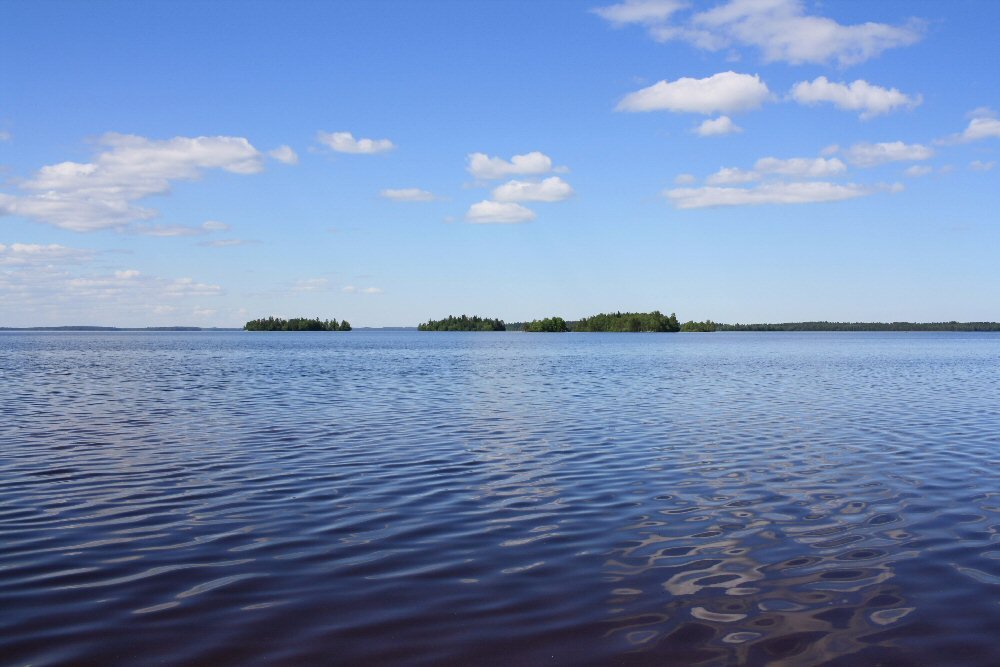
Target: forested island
296,324
463,323
602,322
863,326
703,327
547,325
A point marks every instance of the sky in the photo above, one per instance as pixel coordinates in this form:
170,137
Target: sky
202,164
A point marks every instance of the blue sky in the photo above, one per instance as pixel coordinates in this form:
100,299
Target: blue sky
388,162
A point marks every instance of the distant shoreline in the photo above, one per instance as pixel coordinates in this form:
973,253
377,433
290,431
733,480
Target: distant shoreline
785,326
98,329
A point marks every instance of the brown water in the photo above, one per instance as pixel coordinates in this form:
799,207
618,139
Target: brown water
517,499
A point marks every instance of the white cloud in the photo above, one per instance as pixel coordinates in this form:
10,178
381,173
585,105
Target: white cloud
180,230
726,92
801,167
796,167
918,170
498,212
548,190
979,165
871,155
352,289
407,194
780,29
311,285
20,254
859,95
203,312
284,154
640,11
983,126
717,126
684,179
101,194
732,176
4,135
783,31
51,285
344,142
483,167
767,193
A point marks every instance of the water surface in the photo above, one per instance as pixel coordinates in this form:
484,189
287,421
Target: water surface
520,499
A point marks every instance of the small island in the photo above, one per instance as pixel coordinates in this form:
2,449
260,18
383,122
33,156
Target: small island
703,327
548,325
463,323
296,324
654,322
617,322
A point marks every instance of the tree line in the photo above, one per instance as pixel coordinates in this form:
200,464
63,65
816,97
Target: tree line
463,323
864,326
296,324
618,321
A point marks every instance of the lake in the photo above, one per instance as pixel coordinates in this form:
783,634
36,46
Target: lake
510,499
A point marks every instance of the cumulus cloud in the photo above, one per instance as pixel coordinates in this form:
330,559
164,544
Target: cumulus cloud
872,155
548,190
984,125
726,92
918,170
797,167
781,29
859,95
498,212
344,142
485,168
284,154
101,194
732,176
801,167
648,12
53,284
353,289
684,179
979,165
407,194
717,126
809,192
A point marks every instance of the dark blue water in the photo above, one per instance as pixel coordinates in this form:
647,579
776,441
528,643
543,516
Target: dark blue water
517,499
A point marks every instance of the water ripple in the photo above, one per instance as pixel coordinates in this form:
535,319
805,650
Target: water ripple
377,498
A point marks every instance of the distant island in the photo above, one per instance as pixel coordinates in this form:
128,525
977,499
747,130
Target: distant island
463,323
296,324
703,327
548,325
602,322
863,326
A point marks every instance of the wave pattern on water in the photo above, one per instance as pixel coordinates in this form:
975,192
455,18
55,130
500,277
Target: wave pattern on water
231,498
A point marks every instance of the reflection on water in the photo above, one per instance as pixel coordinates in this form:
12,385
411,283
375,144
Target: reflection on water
722,499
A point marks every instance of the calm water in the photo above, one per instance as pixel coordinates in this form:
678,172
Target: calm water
517,499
